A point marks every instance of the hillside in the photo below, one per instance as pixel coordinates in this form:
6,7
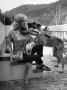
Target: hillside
46,14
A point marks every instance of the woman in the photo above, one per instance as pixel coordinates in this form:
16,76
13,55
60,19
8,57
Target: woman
22,44
21,41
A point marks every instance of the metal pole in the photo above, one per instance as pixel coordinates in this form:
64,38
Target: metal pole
5,27
5,34
60,9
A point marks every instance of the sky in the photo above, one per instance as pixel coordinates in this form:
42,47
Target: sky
6,5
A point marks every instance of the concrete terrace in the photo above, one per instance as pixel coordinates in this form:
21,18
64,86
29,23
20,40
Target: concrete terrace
46,80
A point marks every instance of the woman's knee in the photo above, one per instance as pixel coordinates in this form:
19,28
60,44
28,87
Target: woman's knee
29,66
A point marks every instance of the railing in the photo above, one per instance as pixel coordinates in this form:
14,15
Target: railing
60,34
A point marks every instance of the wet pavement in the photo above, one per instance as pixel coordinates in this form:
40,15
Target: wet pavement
46,80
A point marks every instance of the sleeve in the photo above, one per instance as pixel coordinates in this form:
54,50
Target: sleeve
6,44
9,38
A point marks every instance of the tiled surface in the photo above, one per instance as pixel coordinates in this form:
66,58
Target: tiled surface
47,80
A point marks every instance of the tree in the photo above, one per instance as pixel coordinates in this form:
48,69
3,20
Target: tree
6,20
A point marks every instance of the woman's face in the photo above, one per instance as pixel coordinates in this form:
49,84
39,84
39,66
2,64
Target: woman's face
22,23
23,26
